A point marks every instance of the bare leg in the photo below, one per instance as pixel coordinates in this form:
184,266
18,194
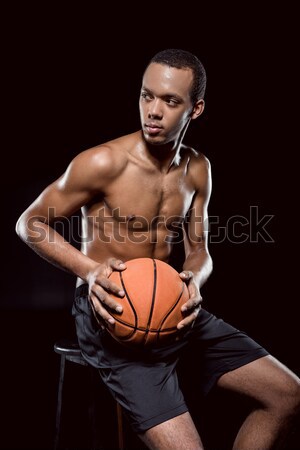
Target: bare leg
277,391
175,434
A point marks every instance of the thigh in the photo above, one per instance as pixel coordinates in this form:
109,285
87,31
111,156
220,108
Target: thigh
266,380
176,434
219,348
148,393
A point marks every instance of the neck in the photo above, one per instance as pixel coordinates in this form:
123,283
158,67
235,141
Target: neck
166,155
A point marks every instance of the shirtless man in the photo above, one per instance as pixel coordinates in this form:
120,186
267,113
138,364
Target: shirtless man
132,192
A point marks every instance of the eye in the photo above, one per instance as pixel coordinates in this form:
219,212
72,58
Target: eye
172,102
146,96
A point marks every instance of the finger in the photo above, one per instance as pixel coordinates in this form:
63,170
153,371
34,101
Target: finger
188,321
111,287
116,264
106,299
193,302
186,275
101,311
98,318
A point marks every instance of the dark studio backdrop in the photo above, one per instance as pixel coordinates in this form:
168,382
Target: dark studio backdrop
70,86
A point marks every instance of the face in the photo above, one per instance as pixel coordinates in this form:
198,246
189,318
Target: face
165,103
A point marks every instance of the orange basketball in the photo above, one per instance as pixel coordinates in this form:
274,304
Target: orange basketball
154,294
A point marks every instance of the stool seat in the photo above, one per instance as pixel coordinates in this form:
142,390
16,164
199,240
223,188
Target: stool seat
69,348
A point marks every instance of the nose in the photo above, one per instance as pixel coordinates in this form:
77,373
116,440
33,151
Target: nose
155,110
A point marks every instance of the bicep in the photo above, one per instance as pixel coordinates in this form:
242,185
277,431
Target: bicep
64,196
197,223
196,228
86,175
57,202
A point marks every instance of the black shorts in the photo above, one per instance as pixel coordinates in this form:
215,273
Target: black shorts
145,382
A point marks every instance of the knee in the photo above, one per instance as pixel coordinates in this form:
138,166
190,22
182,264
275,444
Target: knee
287,400
295,394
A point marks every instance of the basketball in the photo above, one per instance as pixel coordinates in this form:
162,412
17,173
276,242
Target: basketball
154,295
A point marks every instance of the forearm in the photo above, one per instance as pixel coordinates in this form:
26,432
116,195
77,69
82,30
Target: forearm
200,263
52,247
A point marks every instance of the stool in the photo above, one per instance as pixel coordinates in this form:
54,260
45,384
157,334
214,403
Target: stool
69,350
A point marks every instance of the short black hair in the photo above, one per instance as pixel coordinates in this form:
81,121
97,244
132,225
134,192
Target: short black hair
181,59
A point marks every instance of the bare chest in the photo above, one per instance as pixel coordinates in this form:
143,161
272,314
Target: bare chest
143,197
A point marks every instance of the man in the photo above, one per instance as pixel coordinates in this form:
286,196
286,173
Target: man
133,192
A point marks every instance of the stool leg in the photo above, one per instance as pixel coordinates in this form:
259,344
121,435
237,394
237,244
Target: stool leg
92,408
120,427
59,401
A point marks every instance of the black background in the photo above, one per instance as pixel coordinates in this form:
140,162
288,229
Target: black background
68,85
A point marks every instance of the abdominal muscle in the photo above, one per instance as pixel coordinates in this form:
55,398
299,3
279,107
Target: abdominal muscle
124,243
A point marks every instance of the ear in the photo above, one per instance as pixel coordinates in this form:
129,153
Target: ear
198,109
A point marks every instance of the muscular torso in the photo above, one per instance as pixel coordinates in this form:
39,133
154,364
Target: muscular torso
139,211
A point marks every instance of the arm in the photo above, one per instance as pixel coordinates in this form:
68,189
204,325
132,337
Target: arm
62,198
198,263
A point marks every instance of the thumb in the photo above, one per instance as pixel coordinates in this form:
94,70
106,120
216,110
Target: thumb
117,264
186,275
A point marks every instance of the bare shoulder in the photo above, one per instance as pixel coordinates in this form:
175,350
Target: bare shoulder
96,166
105,159
199,169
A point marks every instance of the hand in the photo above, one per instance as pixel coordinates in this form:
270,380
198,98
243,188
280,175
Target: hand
100,287
192,307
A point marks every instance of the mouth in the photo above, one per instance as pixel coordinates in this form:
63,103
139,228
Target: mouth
152,128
